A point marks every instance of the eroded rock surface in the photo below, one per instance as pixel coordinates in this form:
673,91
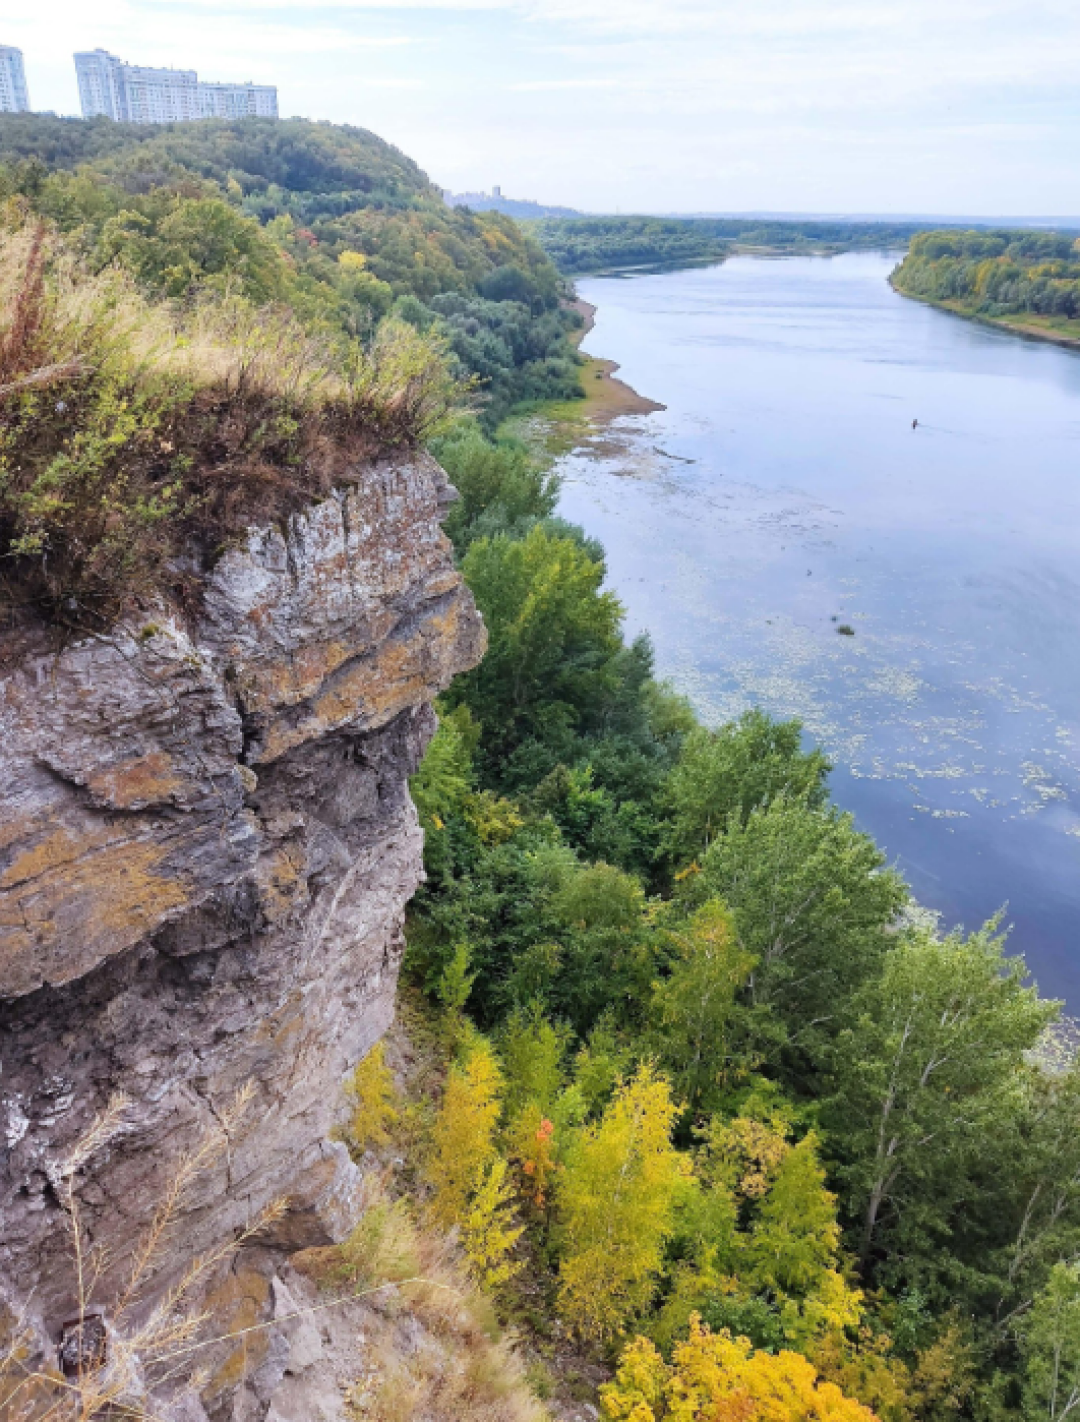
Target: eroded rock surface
206,847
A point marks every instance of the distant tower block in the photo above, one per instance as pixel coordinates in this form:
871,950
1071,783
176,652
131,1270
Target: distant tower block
14,95
134,93
496,191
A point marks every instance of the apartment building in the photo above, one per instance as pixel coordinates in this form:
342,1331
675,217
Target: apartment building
14,95
133,93
237,100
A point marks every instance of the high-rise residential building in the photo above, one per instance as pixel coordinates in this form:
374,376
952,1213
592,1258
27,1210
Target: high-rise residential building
14,96
237,100
133,93
99,84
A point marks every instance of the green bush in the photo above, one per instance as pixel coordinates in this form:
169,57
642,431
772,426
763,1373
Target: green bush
130,432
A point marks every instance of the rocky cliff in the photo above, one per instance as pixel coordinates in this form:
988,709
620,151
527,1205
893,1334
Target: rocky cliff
206,848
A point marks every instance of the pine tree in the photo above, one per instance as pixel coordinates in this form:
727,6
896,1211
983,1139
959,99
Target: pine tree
693,1008
488,1228
795,1236
372,1100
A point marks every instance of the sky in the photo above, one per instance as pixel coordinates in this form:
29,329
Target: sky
929,107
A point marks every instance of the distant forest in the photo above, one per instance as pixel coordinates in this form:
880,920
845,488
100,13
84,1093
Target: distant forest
328,220
593,244
996,274
521,208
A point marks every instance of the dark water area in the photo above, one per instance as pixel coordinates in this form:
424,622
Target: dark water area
784,492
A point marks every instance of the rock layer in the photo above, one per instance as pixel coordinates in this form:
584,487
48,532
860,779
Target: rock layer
206,848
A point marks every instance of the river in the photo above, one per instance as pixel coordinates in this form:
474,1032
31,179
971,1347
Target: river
784,493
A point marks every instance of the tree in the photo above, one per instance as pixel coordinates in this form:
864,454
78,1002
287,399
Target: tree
176,244
1041,1202
616,1207
497,483
607,961
740,767
795,1236
813,902
553,635
531,1141
925,1074
714,1377
463,1137
372,1097
693,1007
531,1050
1051,1349
759,1237
488,1228
441,785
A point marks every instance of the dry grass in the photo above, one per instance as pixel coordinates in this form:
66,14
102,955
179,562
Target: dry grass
117,1351
134,434
457,1366
433,1347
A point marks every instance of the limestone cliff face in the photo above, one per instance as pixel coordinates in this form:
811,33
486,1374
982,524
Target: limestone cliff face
206,848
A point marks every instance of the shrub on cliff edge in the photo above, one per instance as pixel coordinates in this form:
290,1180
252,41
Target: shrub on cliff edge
132,435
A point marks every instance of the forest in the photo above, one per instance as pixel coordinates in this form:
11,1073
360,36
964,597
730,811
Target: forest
996,273
720,1089
327,220
719,1105
593,244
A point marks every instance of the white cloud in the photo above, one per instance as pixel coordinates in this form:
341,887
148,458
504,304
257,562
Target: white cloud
540,86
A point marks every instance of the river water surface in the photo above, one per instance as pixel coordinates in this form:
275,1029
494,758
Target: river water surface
784,492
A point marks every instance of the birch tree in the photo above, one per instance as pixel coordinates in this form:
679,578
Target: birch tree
1051,1346
931,1065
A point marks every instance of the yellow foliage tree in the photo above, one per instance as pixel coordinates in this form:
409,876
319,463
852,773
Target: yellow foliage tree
616,1199
463,1137
713,1377
744,1153
488,1228
372,1097
788,1248
866,1366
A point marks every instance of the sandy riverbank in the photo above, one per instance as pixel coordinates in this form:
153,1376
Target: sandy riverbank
606,397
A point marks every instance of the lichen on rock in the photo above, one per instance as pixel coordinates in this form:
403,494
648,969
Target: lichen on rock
206,848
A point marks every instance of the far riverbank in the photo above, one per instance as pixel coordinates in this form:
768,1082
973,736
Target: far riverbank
1036,328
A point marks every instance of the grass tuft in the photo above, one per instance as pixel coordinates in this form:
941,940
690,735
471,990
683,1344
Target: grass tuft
134,436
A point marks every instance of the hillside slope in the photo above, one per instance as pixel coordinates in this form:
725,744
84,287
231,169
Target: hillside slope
330,220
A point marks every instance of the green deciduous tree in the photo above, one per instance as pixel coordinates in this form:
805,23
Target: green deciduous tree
553,635
176,244
813,902
532,1050
926,1074
731,771
501,486
1051,1349
1041,1198
692,1009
